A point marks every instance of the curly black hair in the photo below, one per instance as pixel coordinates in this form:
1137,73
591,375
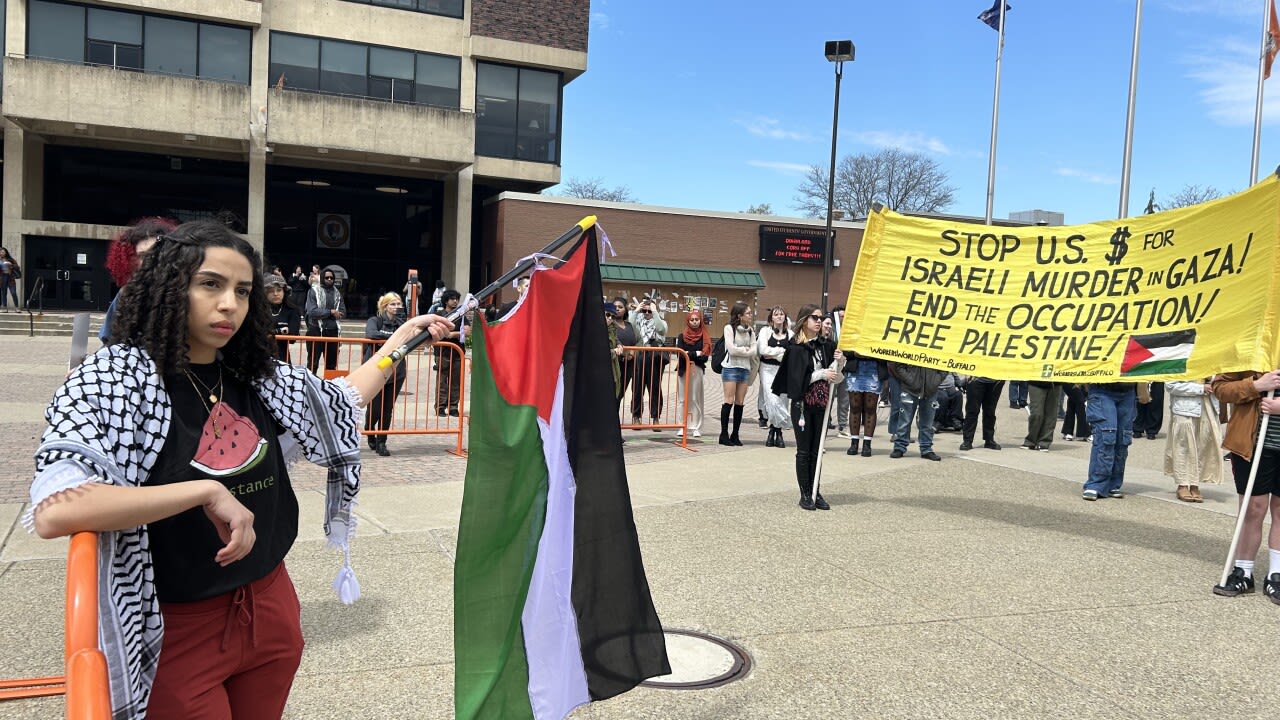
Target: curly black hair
151,312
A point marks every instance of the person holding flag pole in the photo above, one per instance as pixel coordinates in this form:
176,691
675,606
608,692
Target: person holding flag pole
1255,462
809,369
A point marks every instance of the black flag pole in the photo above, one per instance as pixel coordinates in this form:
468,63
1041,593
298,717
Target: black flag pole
492,288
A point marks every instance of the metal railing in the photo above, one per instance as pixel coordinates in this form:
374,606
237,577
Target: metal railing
85,683
650,389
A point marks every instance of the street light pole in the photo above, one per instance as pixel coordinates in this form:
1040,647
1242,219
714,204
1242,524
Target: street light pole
837,51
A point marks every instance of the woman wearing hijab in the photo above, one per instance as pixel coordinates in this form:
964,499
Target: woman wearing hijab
697,345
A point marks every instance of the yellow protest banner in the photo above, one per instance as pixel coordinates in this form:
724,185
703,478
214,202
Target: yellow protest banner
1180,294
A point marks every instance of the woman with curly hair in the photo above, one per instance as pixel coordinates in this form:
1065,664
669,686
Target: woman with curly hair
125,254
173,443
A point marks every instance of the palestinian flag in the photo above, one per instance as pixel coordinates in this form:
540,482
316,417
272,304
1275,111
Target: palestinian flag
1158,354
551,605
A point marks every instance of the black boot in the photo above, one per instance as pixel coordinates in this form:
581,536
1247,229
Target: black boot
853,447
768,441
764,422
780,442
737,423
382,447
724,423
866,448
803,465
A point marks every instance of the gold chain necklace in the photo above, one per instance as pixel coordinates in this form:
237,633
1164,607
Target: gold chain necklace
213,397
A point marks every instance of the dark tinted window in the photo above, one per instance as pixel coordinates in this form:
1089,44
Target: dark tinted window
496,87
343,67
538,116
113,26
296,61
55,31
224,53
438,78
171,46
450,8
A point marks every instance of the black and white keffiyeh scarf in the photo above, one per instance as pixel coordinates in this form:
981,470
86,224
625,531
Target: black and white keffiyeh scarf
108,423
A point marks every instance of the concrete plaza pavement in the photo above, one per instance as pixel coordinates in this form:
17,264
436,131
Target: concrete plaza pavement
977,587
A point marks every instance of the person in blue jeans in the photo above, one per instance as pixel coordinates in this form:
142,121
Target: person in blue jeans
1110,410
912,391
1017,394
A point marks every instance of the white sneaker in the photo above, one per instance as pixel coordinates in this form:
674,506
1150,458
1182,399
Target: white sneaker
680,433
844,434
697,433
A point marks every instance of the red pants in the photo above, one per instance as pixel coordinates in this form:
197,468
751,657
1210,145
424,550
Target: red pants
232,656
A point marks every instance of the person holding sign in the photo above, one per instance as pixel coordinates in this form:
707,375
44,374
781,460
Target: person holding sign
981,396
1245,390
1110,411
912,391
807,373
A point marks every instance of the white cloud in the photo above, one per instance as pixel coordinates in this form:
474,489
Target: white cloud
1220,8
784,168
599,21
910,141
772,129
1228,75
1087,176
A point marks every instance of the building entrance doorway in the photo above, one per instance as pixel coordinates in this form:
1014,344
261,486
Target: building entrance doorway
74,273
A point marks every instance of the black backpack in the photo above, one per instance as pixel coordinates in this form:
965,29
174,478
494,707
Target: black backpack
717,356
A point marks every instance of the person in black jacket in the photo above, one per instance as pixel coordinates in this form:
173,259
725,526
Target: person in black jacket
380,327
286,319
808,369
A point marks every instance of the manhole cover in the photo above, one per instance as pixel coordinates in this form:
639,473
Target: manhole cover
700,661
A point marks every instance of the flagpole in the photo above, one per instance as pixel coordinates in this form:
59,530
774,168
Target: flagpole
1257,105
521,267
1128,124
995,118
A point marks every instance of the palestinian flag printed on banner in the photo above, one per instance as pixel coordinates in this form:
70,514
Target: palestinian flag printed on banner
1158,354
551,605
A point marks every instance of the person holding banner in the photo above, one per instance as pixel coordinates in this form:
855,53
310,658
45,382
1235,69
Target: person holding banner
1110,410
1245,390
912,390
981,395
864,378
805,378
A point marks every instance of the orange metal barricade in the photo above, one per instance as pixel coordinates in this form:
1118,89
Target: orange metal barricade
650,390
435,380
85,684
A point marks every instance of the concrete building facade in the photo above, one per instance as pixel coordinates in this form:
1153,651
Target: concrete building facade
359,134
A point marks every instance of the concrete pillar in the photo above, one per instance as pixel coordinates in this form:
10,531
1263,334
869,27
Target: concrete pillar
23,184
255,223
455,258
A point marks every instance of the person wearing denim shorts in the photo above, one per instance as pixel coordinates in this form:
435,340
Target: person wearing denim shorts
740,348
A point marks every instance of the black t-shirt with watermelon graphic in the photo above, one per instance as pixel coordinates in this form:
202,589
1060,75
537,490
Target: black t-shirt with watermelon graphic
244,459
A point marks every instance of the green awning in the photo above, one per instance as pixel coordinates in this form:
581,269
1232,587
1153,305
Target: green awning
693,277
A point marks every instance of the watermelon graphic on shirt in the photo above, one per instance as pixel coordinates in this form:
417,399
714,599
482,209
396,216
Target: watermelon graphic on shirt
236,446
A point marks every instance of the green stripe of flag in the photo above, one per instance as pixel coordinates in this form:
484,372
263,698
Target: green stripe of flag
503,510
1157,367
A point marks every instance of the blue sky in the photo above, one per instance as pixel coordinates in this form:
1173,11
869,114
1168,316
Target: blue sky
719,105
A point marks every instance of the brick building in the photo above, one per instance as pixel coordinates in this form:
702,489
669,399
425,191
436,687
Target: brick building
709,258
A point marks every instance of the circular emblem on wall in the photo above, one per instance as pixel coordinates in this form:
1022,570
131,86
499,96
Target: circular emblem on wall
333,231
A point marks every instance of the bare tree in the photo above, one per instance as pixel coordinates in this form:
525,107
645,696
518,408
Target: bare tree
594,189
1190,195
903,181
761,209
